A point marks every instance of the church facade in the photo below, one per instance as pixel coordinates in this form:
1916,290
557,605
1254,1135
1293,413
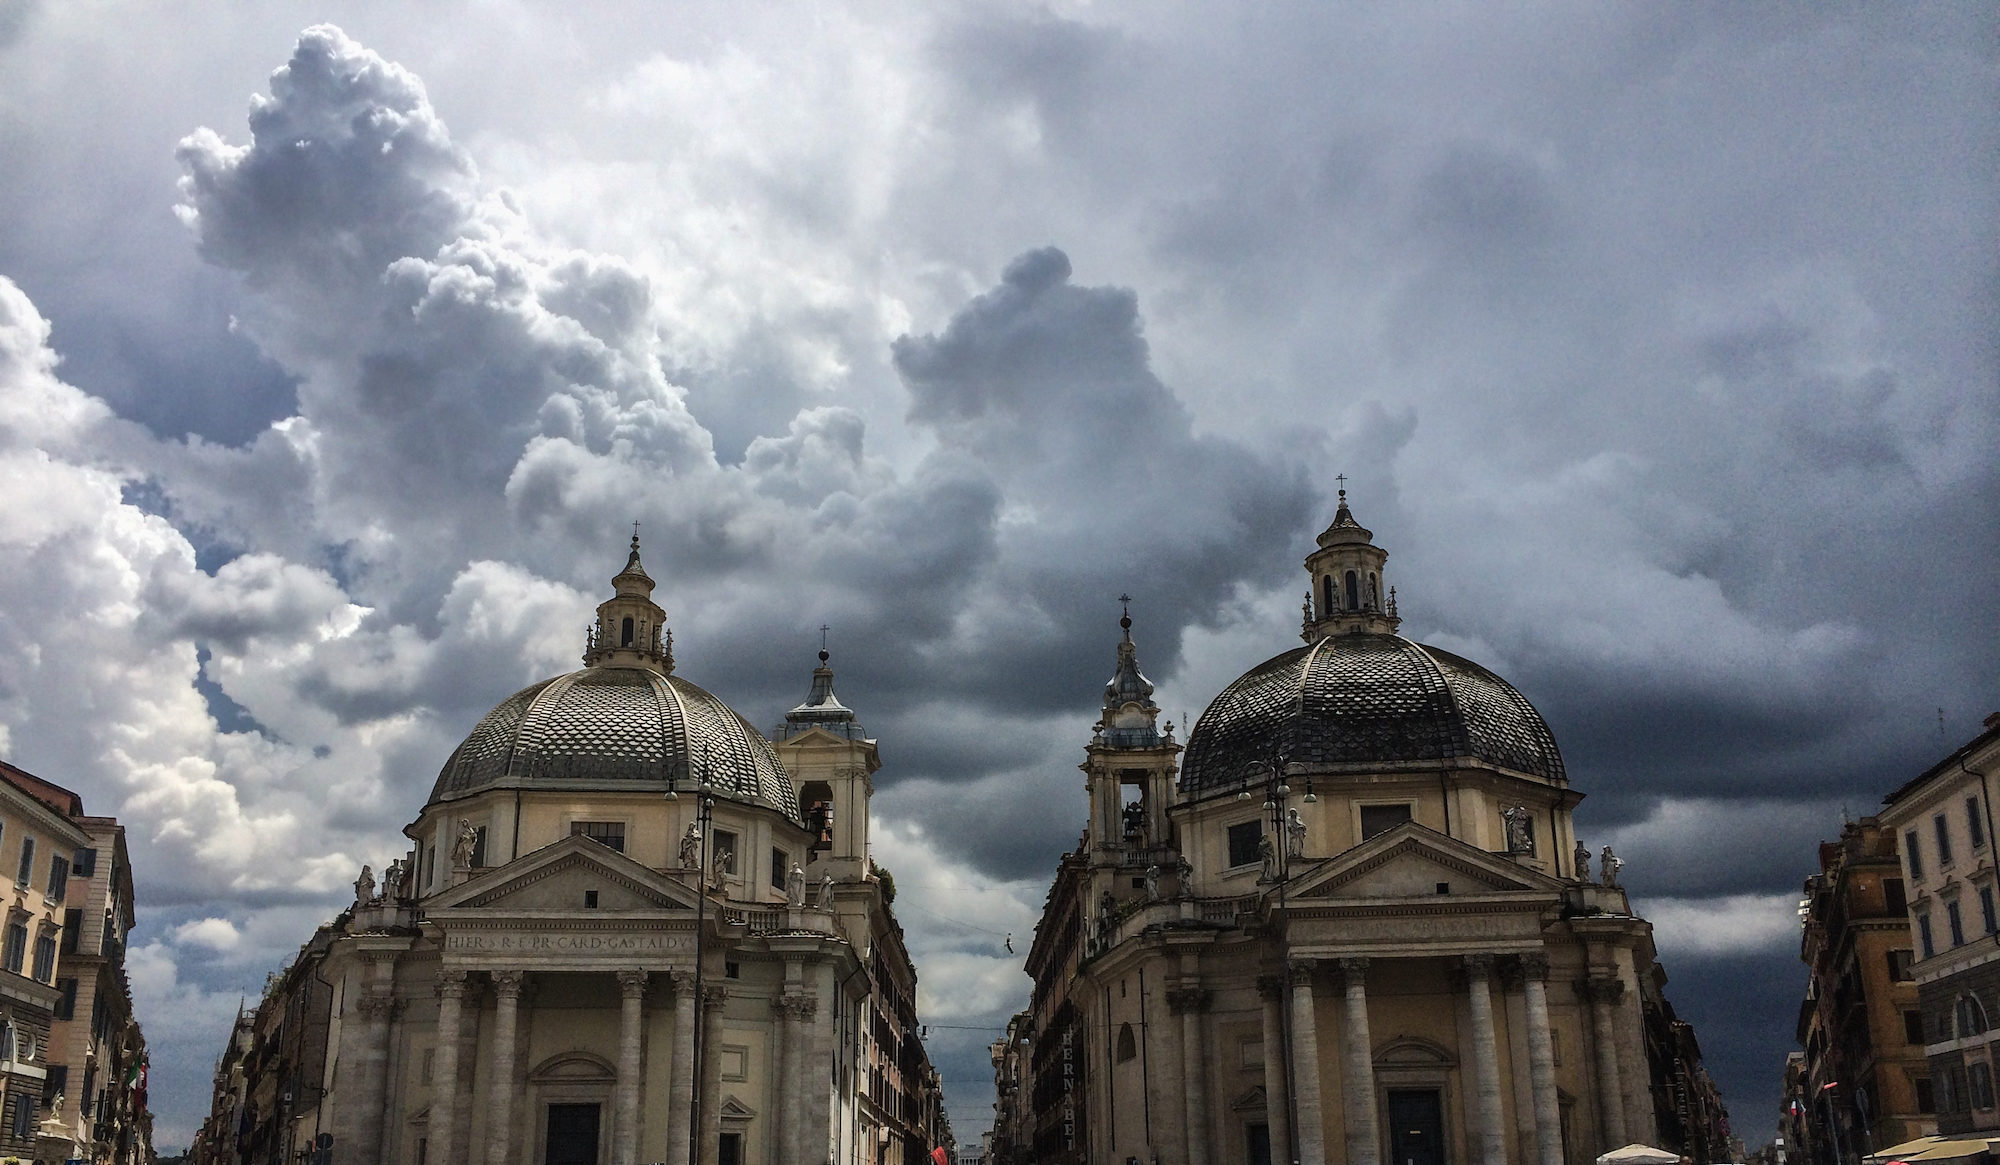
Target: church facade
630,928
1348,921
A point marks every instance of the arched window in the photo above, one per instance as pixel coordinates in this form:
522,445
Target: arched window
1353,591
1127,1046
1326,598
1970,1015
625,632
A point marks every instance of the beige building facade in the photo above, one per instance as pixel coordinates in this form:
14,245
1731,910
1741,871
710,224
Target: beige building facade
630,929
1348,921
1944,822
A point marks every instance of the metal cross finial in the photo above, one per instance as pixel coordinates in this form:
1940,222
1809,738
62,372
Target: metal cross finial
1342,479
823,629
635,533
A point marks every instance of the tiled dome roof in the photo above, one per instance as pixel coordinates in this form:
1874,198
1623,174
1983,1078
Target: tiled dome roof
617,728
1354,700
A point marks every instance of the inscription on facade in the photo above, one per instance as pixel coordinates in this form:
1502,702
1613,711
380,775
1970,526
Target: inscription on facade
606,944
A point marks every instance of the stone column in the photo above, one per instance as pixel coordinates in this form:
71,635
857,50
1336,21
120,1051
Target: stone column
1277,1104
784,1077
713,1000
1603,996
1633,1071
1305,1066
805,1089
444,1067
1363,1140
631,1014
371,1071
682,1077
1189,1003
1492,1137
501,1100
1542,1061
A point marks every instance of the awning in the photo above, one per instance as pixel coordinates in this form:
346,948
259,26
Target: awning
1639,1155
1902,1152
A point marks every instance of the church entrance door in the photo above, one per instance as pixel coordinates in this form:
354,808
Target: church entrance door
1416,1127
572,1134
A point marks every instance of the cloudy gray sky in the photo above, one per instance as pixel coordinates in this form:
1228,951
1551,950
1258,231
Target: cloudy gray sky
1658,344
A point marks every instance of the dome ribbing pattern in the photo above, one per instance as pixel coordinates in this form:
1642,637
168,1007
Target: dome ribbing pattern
614,729
1356,700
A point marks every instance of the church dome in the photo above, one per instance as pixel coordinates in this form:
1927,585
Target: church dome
609,728
1352,701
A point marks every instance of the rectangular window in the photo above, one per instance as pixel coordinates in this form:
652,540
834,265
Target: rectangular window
1912,855
1243,839
1986,914
1926,1098
58,876
45,958
1924,940
56,1084
1955,923
1975,825
16,948
85,863
1381,818
478,846
1899,966
1943,829
66,1006
722,851
72,930
780,866
1899,899
610,834
1913,1027
24,1117
1981,1080
26,874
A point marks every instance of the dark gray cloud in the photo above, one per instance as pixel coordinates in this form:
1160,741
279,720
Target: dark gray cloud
1658,346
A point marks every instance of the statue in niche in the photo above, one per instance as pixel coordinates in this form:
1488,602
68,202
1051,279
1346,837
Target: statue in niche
691,847
1295,834
795,887
468,841
725,864
1520,829
824,900
1153,883
1610,863
1268,855
364,887
1184,872
392,881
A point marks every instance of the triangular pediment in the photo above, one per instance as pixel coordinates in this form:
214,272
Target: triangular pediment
1412,861
556,877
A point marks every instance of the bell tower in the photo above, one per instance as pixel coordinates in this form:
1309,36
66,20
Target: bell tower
1350,591
631,629
1130,766
832,762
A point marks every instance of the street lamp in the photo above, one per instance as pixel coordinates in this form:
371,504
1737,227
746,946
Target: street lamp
704,815
1277,793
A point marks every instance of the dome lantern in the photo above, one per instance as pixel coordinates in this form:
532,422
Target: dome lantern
1350,591
631,628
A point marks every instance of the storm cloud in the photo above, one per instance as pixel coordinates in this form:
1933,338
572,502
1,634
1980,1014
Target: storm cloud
1656,345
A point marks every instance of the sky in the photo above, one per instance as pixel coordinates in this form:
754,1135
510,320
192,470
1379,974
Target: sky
341,344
